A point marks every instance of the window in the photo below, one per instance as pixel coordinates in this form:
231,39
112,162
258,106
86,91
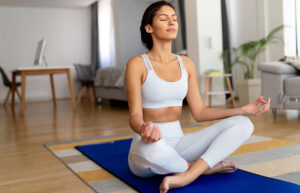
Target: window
106,34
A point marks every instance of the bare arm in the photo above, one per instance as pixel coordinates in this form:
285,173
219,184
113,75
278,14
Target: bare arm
133,78
202,113
134,71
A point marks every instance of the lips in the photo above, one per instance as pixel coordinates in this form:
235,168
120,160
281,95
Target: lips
171,30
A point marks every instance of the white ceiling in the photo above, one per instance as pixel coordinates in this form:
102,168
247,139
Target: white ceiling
47,3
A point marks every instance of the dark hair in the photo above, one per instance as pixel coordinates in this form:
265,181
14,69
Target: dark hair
147,19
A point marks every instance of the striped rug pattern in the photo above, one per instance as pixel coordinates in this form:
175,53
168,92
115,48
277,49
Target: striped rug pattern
261,155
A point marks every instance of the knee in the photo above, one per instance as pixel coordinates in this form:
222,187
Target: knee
245,125
160,157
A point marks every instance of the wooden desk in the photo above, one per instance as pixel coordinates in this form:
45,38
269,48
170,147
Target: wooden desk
23,72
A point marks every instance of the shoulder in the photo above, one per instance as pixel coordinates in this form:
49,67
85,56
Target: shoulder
188,63
135,67
136,62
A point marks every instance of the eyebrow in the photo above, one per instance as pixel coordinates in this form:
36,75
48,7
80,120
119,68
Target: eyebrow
166,14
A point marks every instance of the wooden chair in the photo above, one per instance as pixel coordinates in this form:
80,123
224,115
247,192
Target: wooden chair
8,84
87,81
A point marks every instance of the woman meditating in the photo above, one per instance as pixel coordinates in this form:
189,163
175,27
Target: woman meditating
157,82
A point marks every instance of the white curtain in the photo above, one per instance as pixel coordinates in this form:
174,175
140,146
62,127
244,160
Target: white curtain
291,18
107,46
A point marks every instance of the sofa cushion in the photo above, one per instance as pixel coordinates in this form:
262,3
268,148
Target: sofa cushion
277,68
292,86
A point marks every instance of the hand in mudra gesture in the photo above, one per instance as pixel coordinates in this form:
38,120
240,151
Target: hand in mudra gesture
150,135
254,109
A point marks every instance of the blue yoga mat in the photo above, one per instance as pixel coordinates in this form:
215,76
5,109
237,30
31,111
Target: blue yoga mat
112,156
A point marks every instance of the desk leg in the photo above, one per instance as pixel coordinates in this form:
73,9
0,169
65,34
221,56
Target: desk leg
23,86
53,89
230,90
71,90
13,90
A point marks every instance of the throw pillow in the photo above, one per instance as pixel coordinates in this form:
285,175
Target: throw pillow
294,61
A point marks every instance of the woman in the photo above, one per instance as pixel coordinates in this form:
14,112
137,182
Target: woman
157,82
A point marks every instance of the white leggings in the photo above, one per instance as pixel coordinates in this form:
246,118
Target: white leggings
171,154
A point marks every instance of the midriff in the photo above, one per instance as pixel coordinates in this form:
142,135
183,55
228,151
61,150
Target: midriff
160,115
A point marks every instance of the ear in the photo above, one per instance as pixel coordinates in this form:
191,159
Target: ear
148,28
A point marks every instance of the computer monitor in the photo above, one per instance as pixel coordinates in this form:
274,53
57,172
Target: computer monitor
39,56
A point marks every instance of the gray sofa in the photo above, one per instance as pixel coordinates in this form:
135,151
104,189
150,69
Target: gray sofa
110,83
280,82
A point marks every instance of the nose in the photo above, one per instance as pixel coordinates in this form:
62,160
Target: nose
171,22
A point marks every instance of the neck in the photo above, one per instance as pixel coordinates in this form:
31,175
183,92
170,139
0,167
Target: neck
161,51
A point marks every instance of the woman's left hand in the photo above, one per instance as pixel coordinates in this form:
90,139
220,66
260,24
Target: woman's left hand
253,109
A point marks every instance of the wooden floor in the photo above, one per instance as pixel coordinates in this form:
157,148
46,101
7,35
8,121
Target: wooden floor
27,166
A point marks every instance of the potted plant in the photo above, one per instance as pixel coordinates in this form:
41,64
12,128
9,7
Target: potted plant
246,55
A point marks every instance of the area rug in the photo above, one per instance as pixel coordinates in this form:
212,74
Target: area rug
261,155
113,157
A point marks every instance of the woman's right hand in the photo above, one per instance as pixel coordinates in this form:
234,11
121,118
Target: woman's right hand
150,135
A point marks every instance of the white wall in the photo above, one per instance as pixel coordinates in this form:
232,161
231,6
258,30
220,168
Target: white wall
68,35
128,16
251,20
203,23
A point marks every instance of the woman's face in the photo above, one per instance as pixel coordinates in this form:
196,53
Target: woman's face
164,24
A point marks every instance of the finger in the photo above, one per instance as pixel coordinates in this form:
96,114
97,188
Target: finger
149,131
143,128
260,110
258,100
267,108
159,134
267,105
264,109
144,133
154,133
263,101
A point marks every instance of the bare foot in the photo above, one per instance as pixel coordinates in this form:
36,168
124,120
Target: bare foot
169,182
180,179
222,167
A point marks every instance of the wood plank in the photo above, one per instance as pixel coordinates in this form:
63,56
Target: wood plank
25,164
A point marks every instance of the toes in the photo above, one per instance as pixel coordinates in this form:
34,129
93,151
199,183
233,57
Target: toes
228,170
229,164
164,186
233,165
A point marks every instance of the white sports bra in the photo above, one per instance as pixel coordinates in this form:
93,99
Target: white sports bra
157,93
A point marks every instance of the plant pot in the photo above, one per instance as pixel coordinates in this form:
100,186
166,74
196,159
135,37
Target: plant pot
248,90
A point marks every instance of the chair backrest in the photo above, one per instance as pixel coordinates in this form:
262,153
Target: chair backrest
83,72
5,79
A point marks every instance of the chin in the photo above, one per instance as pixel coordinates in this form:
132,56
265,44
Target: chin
170,37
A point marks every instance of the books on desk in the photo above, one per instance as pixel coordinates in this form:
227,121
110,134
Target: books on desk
213,72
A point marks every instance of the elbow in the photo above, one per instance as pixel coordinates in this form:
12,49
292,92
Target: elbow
199,116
